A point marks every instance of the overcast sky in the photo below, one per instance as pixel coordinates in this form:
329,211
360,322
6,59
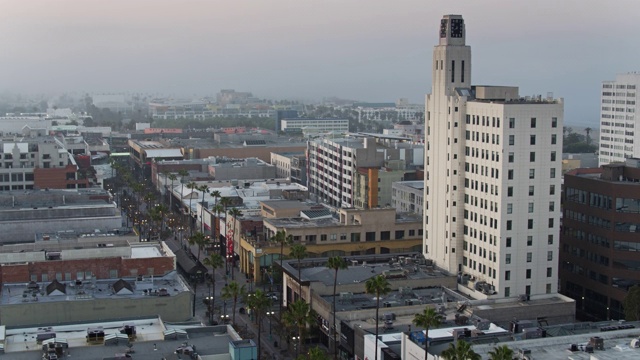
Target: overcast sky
370,50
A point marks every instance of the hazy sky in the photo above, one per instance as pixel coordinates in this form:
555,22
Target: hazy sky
370,50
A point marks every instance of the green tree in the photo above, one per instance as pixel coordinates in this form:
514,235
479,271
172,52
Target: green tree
335,263
215,209
427,319
258,302
205,190
214,261
173,178
234,213
198,239
191,186
378,285
233,291
501,353
631,304
315,353
299,252
460,350
298,315
280,237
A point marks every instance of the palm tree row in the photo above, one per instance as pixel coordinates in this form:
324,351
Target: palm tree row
259,303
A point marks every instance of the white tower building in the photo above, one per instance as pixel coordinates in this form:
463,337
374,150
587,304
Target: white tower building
492,182
619,135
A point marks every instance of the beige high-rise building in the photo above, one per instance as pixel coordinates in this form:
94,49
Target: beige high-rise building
492,182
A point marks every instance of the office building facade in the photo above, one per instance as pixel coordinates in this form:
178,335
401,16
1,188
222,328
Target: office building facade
599,241
492,182
618,119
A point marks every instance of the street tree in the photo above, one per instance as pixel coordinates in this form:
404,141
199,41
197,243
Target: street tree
460,350
427,319
233,291
378,285
335,263
299,252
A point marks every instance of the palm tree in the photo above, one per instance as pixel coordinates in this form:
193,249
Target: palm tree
235,214
588,131
173,178
216,196
336,263
281,237
205,190
378,285
225,201
297,315
501,353
183,173
234,291
315,353
191,186
259,303
460,350
199,240
214,261
427,319
217,209
299,252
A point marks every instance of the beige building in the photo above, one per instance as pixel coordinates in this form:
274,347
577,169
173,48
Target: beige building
350,232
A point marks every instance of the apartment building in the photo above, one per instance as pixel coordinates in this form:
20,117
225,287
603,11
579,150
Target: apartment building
492,183
38,162
618,119
599,240
333,163
408,196
292,165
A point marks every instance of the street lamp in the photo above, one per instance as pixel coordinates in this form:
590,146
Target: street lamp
210,304
269,314
295,343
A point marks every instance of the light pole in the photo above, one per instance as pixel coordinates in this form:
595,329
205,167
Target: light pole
210,304
224,317
295,344
269,314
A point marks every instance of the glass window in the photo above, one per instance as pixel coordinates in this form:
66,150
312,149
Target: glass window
532,173
532,139
512,123
532,156
512,139
530,207
554,122
533,123
531,190
507,259
529,256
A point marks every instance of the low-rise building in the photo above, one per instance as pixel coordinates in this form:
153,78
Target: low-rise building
249,168
292,165
23,214
65,278
408,196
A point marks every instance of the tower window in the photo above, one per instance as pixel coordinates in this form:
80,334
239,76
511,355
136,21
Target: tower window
462,72
453,70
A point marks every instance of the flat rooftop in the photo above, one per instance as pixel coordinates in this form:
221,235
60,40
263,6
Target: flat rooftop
616,346
168,285
30,199
419,185
299,222
361,272
150,342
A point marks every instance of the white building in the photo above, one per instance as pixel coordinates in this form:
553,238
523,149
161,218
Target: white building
492,182
618,120
334,163
407,196
314,126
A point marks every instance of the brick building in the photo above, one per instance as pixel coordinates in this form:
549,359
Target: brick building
599,241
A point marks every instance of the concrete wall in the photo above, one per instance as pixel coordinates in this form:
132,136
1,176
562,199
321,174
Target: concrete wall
24,231
169,308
